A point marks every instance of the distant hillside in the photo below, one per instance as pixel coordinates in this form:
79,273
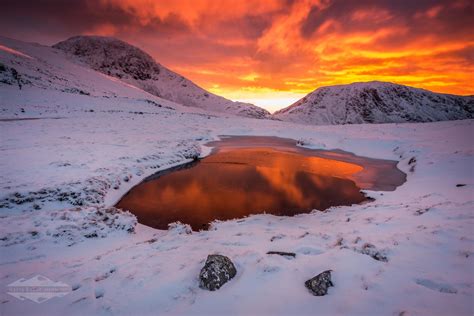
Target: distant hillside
376,102
25,66
130,64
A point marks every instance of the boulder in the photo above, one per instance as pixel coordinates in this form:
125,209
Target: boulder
319,285
216,272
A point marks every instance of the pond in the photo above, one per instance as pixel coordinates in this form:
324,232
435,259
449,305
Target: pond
247,175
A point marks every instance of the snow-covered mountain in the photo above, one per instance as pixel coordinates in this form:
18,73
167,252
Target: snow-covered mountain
29,66
130,64
376,102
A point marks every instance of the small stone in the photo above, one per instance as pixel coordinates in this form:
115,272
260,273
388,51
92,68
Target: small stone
216,272
371,250
282,253
319,285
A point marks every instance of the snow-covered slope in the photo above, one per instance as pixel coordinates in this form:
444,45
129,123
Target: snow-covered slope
132,65
376,102
28,66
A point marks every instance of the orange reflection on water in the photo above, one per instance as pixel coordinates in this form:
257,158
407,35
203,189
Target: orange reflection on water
239,182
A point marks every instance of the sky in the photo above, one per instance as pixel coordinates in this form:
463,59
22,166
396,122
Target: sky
273,52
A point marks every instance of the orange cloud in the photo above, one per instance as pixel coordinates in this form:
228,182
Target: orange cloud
273,52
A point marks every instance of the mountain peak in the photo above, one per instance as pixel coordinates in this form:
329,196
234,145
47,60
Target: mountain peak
132,65
111,56
376,102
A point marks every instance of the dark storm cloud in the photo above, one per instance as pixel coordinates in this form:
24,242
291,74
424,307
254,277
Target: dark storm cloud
60,19
450,18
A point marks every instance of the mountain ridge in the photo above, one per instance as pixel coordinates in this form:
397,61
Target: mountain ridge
88,70
134,66
376,102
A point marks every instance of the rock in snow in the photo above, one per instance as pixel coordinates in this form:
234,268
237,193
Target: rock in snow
376,102
130,64
282,253
216,272
319,284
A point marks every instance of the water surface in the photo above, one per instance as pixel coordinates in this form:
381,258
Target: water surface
251,175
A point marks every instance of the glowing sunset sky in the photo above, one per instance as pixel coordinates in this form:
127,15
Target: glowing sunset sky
272,52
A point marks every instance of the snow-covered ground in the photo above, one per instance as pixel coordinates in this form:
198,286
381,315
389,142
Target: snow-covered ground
410,252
